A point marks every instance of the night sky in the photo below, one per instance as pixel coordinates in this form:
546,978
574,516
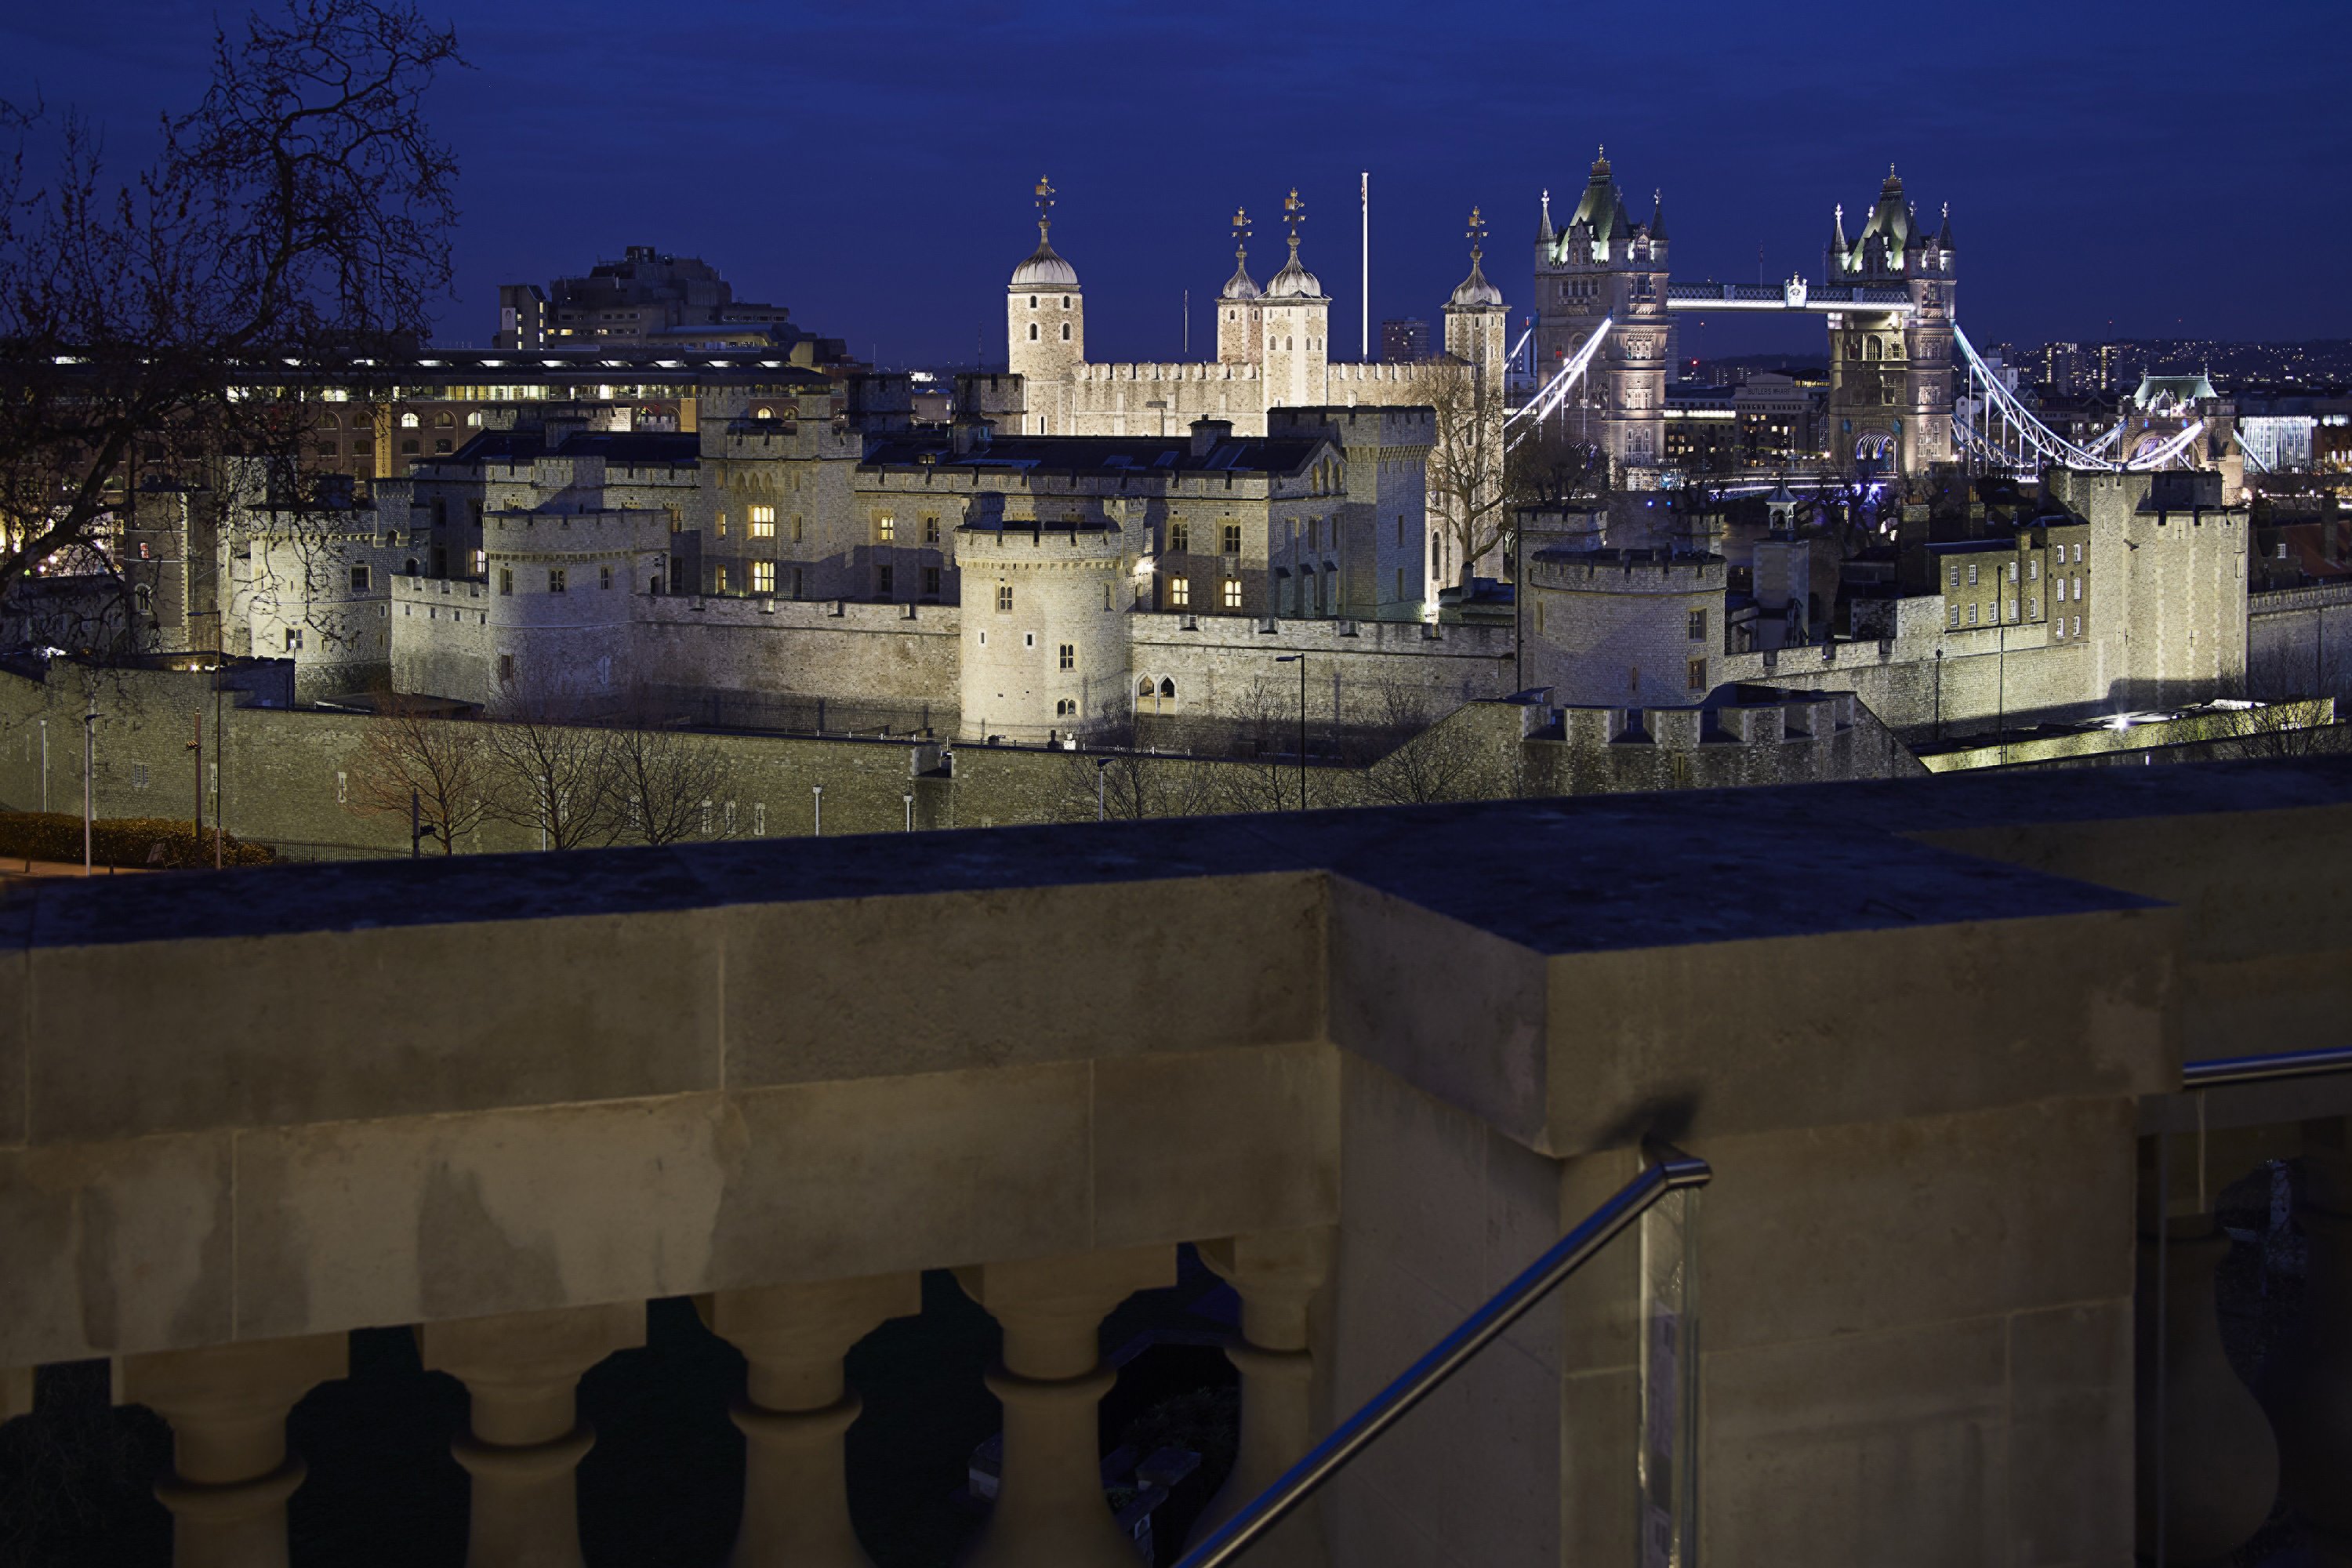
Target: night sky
2156,168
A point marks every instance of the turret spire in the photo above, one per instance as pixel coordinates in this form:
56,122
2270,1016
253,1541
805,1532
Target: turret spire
1545,232
1044,207
1294,213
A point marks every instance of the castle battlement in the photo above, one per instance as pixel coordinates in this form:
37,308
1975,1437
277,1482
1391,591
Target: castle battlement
1627,571
1166,369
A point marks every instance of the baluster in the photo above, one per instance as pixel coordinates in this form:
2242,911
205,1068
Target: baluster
2307,1384
525,1441
1050,1508
796,1407
1277,1275
231,1472
2213,1445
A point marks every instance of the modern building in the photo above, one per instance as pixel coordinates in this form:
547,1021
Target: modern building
648,299
1405,342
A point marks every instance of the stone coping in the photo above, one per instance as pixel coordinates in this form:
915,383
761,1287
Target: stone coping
1554,876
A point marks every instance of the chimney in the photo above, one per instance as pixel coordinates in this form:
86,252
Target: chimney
1207,433
968,435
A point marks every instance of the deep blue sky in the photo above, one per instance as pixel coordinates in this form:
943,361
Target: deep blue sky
2158,167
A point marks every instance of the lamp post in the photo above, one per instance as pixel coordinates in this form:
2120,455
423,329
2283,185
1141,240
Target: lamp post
816,811
88,755
910,798
1300,661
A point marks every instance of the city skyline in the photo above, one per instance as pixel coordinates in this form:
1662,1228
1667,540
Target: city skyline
876,181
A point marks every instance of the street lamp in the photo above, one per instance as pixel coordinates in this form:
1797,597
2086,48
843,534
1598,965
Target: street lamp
1300,661
816,811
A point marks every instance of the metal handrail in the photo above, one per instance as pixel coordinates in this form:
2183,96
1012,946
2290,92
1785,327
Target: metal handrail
1674,1170
2221,1072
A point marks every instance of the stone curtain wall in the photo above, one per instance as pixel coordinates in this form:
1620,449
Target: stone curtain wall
2299,642
289,777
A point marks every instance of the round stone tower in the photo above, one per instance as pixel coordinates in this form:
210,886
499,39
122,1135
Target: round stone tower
1046,602
1044,328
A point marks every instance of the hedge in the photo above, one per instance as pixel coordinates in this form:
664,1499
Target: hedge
128,841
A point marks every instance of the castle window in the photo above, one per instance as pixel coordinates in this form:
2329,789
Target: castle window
1180,591
506,580
1065,331
1033,332
506,669
931,582
1232,593
1697,676
796,528
930,530
1033,302
1066,301
1400,593
1064,708
1167,691
886,528
763,577
1232,540
722,525
359,579
1069,655
722,584
555,579
1698,625
1004,598
1028,639
882,580
603,576
796,582
763,522
1179,538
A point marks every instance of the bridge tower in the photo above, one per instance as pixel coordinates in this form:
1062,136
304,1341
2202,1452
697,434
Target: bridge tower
1890,403
1603,265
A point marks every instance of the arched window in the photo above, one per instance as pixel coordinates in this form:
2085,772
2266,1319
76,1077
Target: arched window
1066,301
1143,688
1033,332
763,412
443,420
1167,691
1065,331
1032,302
408,421
1064,708
1870,348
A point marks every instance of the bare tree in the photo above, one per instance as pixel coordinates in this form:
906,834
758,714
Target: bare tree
1424,762
559,780
301,211
1129,786
440,768
670,785
1471,493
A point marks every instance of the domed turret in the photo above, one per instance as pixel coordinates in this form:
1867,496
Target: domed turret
1474,292
1240,286
1045,326
1474,315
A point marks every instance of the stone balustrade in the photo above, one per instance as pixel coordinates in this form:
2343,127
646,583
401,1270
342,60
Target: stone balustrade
1368,1063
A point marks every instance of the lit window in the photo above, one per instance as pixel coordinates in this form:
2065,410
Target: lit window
1180,591
408,421
1070,657
1232,593
722,578
763,522
886,528
722,525
1003,597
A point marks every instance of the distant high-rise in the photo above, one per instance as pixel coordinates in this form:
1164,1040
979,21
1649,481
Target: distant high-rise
1405,342
648,299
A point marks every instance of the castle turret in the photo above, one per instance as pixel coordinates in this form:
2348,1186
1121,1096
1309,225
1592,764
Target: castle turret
1046,327
1297,315
1475,319
1240,335
1044,653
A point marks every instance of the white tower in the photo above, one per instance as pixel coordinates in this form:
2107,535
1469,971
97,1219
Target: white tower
1046,327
